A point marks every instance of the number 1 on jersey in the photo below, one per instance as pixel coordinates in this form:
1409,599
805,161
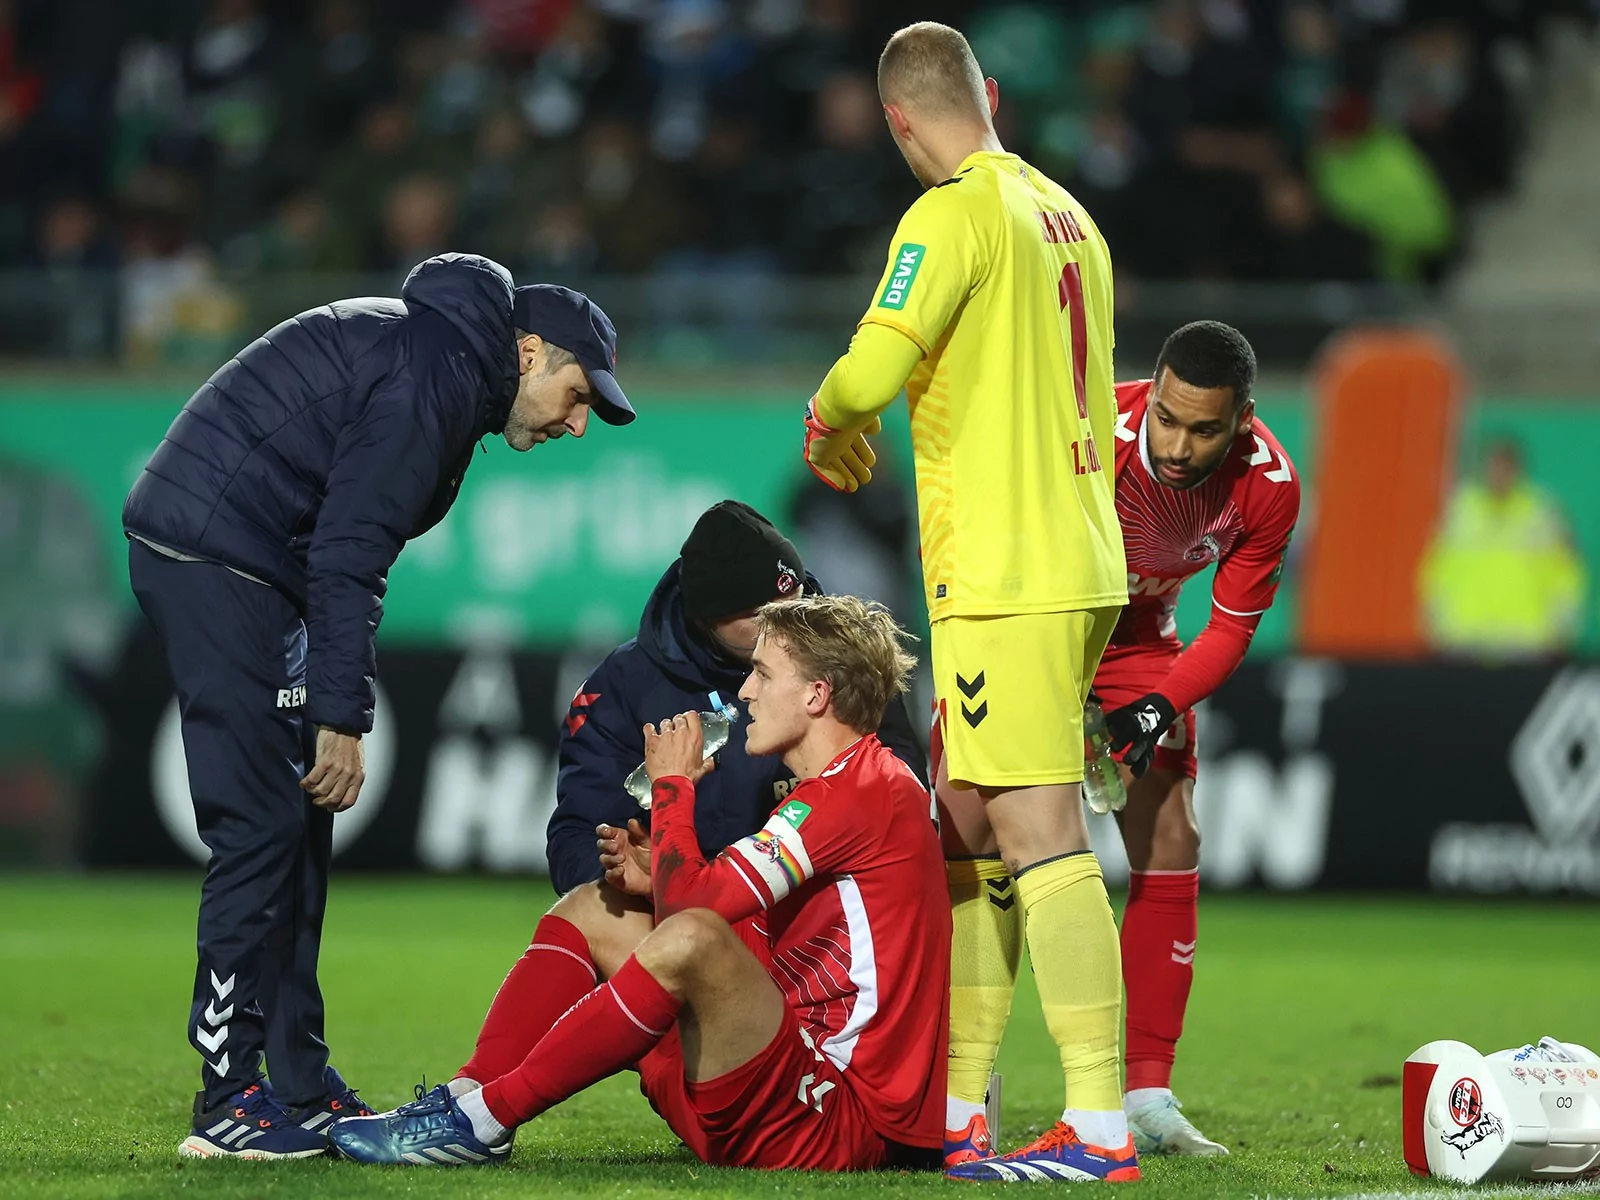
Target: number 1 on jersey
1071,292
1085,458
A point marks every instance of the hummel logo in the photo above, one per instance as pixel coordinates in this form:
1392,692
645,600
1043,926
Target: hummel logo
969,690
211,1040
975,716
1000,894
576,719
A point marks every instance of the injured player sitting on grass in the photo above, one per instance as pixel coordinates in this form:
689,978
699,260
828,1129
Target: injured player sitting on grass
784,1003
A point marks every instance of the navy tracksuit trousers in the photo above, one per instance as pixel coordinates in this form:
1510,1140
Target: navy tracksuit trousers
237,652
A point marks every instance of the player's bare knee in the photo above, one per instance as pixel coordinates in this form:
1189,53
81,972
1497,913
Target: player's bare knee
612,922
684,946
580,901
593,906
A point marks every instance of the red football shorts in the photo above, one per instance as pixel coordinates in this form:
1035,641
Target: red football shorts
789,1107
1129,672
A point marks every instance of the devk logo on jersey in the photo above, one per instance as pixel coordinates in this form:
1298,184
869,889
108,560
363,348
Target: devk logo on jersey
907,261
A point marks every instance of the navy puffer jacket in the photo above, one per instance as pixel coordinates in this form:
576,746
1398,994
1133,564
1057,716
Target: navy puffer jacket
668,669
311,457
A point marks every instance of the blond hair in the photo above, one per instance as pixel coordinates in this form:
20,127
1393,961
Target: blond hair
931,68
852,644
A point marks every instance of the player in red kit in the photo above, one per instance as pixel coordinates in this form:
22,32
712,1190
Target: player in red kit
1200,480
787,1007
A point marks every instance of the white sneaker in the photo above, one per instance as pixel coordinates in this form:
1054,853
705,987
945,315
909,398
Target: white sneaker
1548,1050
1567,1051
1159,1128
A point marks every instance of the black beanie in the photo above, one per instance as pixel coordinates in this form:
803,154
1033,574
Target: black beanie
734,560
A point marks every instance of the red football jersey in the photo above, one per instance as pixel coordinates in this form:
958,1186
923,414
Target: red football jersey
849,880
1240,518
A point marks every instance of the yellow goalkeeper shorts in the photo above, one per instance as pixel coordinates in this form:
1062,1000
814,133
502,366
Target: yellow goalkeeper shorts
1011,692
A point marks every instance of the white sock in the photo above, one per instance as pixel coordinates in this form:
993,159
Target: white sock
958,1112
1139,1097
460,1087
1108,1129
485,1127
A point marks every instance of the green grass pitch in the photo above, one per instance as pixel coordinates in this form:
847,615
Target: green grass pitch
1303,1010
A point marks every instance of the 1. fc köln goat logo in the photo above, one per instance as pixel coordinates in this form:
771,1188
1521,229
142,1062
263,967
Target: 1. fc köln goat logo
1466,1102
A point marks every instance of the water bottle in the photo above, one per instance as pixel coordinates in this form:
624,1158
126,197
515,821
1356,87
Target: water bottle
714,727
1102,782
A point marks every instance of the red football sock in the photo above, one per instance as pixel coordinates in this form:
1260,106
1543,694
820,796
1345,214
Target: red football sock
1158,938
553,974
610,1029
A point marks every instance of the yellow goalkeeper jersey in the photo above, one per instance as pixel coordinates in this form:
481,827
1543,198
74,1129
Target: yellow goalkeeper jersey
1004,282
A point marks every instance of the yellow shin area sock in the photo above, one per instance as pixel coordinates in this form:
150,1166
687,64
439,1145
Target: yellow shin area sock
985,950
1077,964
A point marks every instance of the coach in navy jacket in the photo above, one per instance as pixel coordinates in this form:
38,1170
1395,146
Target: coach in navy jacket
311,457
694,640
262,532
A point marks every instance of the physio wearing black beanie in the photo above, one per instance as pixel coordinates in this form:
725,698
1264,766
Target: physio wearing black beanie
735,560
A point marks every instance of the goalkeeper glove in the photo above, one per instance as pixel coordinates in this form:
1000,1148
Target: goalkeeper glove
1135,728
841,458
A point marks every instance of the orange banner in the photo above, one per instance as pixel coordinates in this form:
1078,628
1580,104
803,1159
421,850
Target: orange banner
1387,409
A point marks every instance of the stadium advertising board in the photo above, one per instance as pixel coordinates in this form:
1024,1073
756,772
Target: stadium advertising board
1314,775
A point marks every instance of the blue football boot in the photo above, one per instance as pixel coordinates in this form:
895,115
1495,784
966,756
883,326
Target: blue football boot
430,1131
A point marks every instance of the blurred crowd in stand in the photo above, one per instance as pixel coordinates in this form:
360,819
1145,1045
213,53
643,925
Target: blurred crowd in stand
1252,139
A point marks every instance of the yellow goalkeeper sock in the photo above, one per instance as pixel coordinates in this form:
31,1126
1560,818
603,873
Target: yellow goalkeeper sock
985,950
1077,963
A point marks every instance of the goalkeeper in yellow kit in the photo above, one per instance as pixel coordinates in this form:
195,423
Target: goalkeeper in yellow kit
995,316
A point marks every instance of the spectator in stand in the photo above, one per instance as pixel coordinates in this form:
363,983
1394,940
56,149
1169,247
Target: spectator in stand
1501,579
346,74
1436,85
242,101
845,193
304,235
20,87
418,222
1310,71
74,301
558,241
171,303
1370,176
73,237
629,197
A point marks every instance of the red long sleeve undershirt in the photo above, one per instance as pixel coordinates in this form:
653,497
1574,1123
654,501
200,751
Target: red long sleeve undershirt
680,876
1206,662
